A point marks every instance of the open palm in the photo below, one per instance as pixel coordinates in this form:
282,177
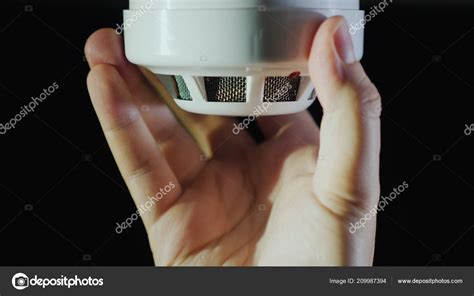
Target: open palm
285,201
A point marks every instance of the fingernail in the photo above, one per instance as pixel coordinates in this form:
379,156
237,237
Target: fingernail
343,42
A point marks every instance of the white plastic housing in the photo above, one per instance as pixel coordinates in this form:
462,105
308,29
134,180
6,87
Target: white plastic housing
232,38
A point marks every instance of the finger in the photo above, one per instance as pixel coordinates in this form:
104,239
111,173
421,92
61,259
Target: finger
212,133
143,167
178,147
287,134
347,178
283,127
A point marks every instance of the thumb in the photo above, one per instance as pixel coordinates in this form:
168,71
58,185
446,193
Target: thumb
347,175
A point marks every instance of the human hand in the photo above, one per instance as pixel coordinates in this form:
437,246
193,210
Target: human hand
286,201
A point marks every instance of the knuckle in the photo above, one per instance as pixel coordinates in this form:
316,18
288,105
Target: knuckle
371,101
147,166
123,122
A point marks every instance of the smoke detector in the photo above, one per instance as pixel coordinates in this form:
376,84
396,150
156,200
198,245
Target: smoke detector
232,57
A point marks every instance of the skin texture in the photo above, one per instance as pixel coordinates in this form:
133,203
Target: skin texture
287,201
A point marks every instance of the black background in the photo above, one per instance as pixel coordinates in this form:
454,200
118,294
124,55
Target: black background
61,193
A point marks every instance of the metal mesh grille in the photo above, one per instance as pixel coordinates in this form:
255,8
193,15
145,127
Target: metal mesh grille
226,89
183,90
281,89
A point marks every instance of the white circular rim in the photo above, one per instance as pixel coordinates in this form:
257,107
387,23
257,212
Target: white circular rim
239,4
